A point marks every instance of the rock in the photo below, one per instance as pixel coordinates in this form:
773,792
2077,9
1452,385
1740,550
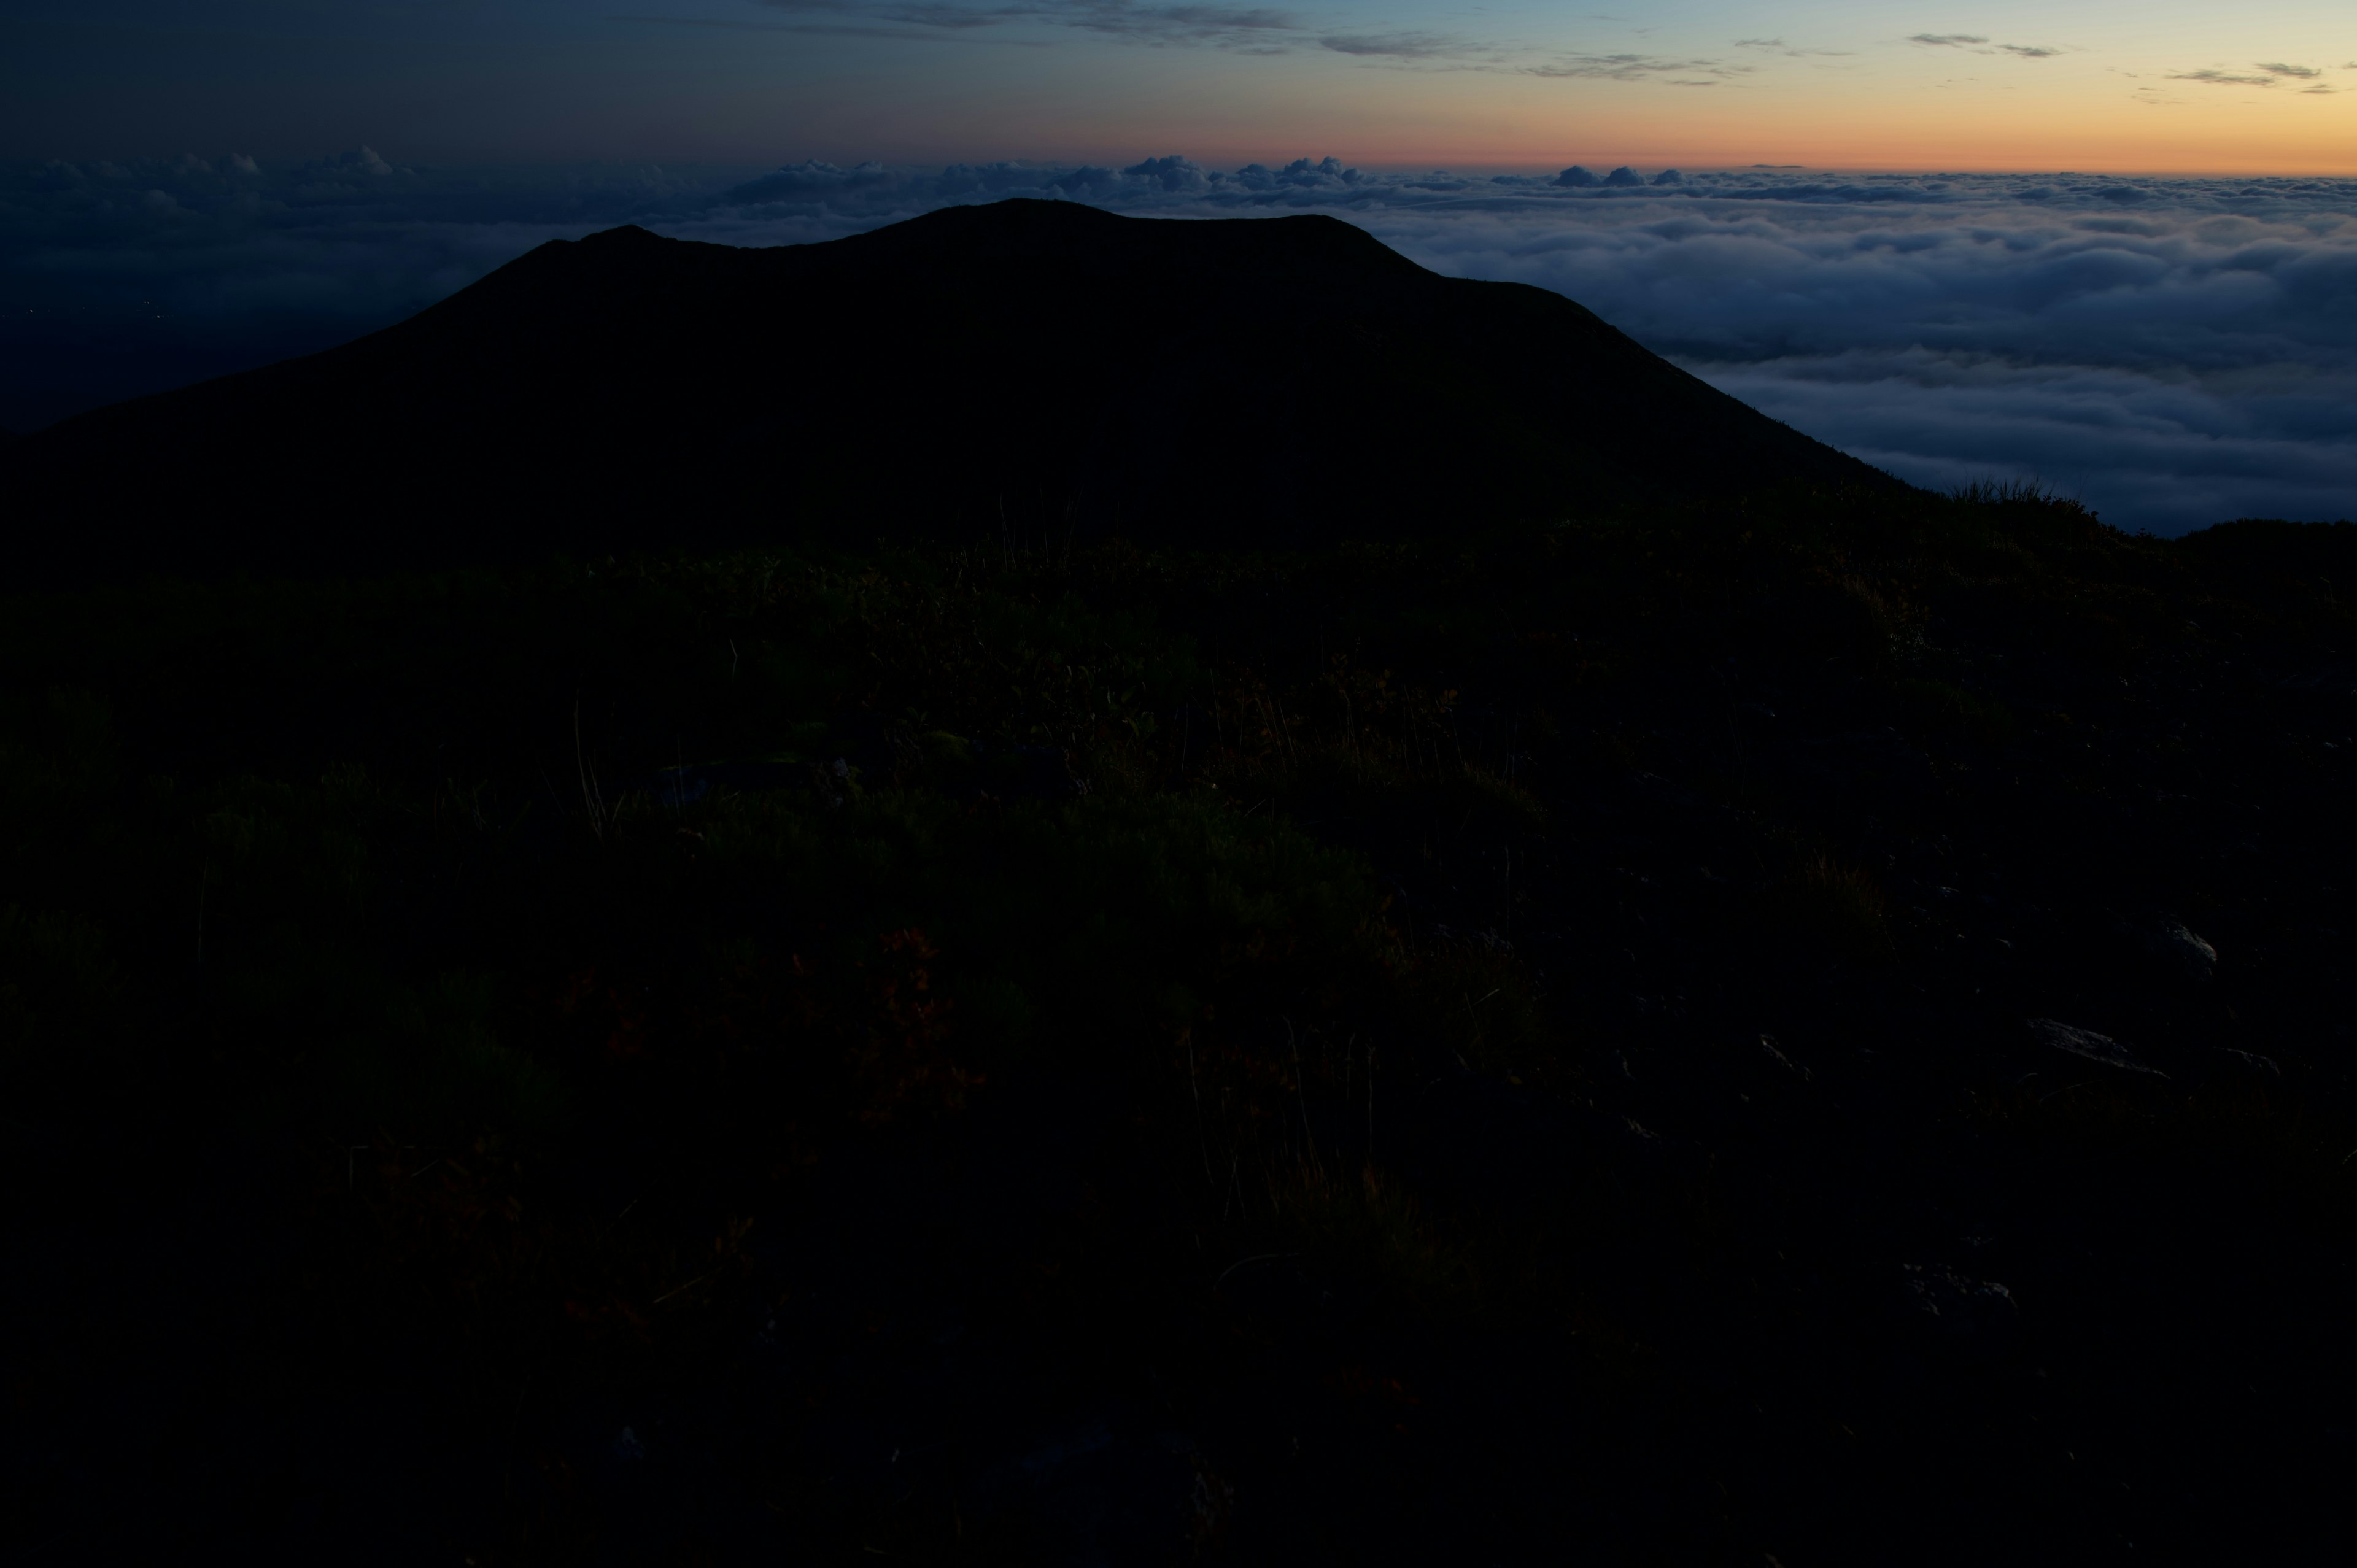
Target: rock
2185,954
1661,791
1767,1044
2088,1043
677,786
1060,1449
1977,1316
2334,678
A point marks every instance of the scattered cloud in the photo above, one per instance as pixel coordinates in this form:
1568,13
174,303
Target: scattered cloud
1397,45
1447,52
2211,77
1192,24
817,29
1974,43
1633,67
1222,26
1778,46
947,17
2272,73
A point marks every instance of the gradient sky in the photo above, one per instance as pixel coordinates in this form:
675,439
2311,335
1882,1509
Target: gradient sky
2125,85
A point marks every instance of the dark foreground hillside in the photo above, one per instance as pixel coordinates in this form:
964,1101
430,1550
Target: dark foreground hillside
1031,369
1813,1030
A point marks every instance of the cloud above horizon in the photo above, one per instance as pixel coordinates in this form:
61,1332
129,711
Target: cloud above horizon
1245,27
2177,352
1978,45
2270,75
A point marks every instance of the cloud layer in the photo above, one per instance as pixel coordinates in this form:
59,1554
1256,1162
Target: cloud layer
2177,352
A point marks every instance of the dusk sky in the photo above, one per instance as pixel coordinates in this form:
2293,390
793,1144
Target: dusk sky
2269,86
2110,246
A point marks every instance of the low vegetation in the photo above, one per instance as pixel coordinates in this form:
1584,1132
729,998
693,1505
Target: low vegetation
1380,1054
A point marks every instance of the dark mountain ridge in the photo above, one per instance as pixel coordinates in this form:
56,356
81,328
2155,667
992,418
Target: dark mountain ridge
1040,367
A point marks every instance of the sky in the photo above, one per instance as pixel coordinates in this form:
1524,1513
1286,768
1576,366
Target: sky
2112,246
2143,86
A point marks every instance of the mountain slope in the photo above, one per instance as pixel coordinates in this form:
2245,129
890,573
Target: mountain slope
1039,368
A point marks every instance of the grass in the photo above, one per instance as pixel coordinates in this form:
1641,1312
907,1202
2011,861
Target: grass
1843,905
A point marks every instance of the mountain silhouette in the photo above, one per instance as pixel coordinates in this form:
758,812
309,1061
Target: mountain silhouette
1031,369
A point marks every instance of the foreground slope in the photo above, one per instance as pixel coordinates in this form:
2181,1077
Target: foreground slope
1040,368
1596,1043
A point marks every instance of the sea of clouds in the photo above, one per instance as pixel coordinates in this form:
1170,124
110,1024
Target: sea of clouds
2174,351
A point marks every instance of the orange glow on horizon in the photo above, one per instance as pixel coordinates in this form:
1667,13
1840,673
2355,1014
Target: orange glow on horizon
1442,122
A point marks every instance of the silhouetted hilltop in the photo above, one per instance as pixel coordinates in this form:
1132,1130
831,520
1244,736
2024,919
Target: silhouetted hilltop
1041,368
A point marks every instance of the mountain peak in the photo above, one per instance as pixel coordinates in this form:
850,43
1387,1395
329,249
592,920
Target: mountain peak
1071,235
1033,365
627,234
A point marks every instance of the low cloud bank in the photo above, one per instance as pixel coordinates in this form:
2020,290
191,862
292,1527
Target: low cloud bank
2176,353
121,279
